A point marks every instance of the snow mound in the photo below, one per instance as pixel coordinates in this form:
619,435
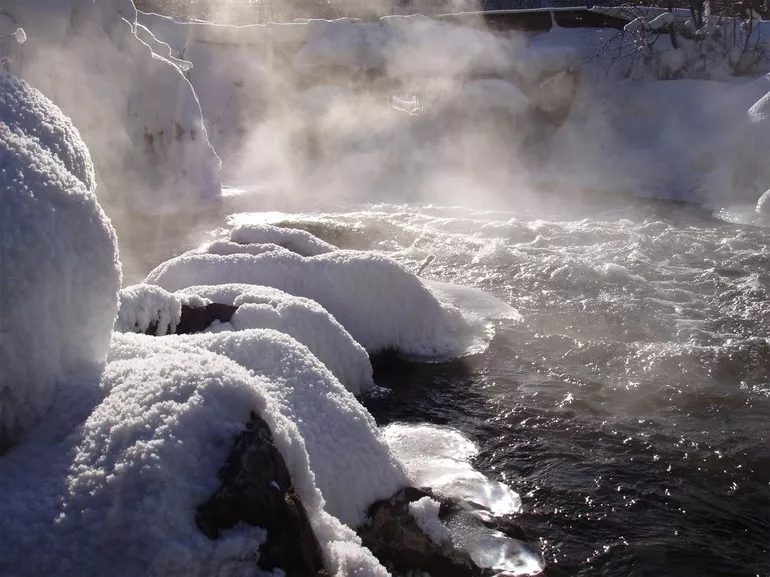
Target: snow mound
763,204
381,304
146,305
299,241
229,247
59,272
310,324
301,318
113,481
26,111
352,464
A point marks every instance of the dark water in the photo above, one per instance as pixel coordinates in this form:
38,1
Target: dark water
631,408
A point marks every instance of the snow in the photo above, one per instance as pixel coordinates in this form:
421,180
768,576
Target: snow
111,483
301,318
229,247
59,271
145,305
150,146
298,241
763,204
25,110
327,415
314,327
381,304
425,511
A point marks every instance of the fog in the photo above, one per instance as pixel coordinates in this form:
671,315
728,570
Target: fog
314,114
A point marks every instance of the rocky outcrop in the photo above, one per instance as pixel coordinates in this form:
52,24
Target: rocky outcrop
257,489
198,319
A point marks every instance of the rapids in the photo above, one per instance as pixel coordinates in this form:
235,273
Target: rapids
630,407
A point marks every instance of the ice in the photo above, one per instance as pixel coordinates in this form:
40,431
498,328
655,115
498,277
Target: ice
438,457
492,549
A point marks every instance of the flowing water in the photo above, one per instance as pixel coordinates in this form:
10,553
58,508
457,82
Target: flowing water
631,407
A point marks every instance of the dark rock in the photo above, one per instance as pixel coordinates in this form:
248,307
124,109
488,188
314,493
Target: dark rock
197,319
257,489
392,534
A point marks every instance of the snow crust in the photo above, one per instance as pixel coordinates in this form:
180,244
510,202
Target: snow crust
381,304
59,270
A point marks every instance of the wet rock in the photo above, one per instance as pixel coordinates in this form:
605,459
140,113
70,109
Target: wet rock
392,534
481,545
198,319
257,489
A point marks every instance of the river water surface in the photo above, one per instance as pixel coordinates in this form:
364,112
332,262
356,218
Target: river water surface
631,407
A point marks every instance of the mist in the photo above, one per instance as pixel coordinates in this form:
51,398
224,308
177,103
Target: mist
312,114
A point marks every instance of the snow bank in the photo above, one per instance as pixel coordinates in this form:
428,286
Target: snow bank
381,304
59,270
146,305
136,111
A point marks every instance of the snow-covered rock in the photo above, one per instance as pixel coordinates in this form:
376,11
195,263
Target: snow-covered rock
135,109
763,204
59,270
146,305
112,481
25,110
327,415
299,241
381,304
